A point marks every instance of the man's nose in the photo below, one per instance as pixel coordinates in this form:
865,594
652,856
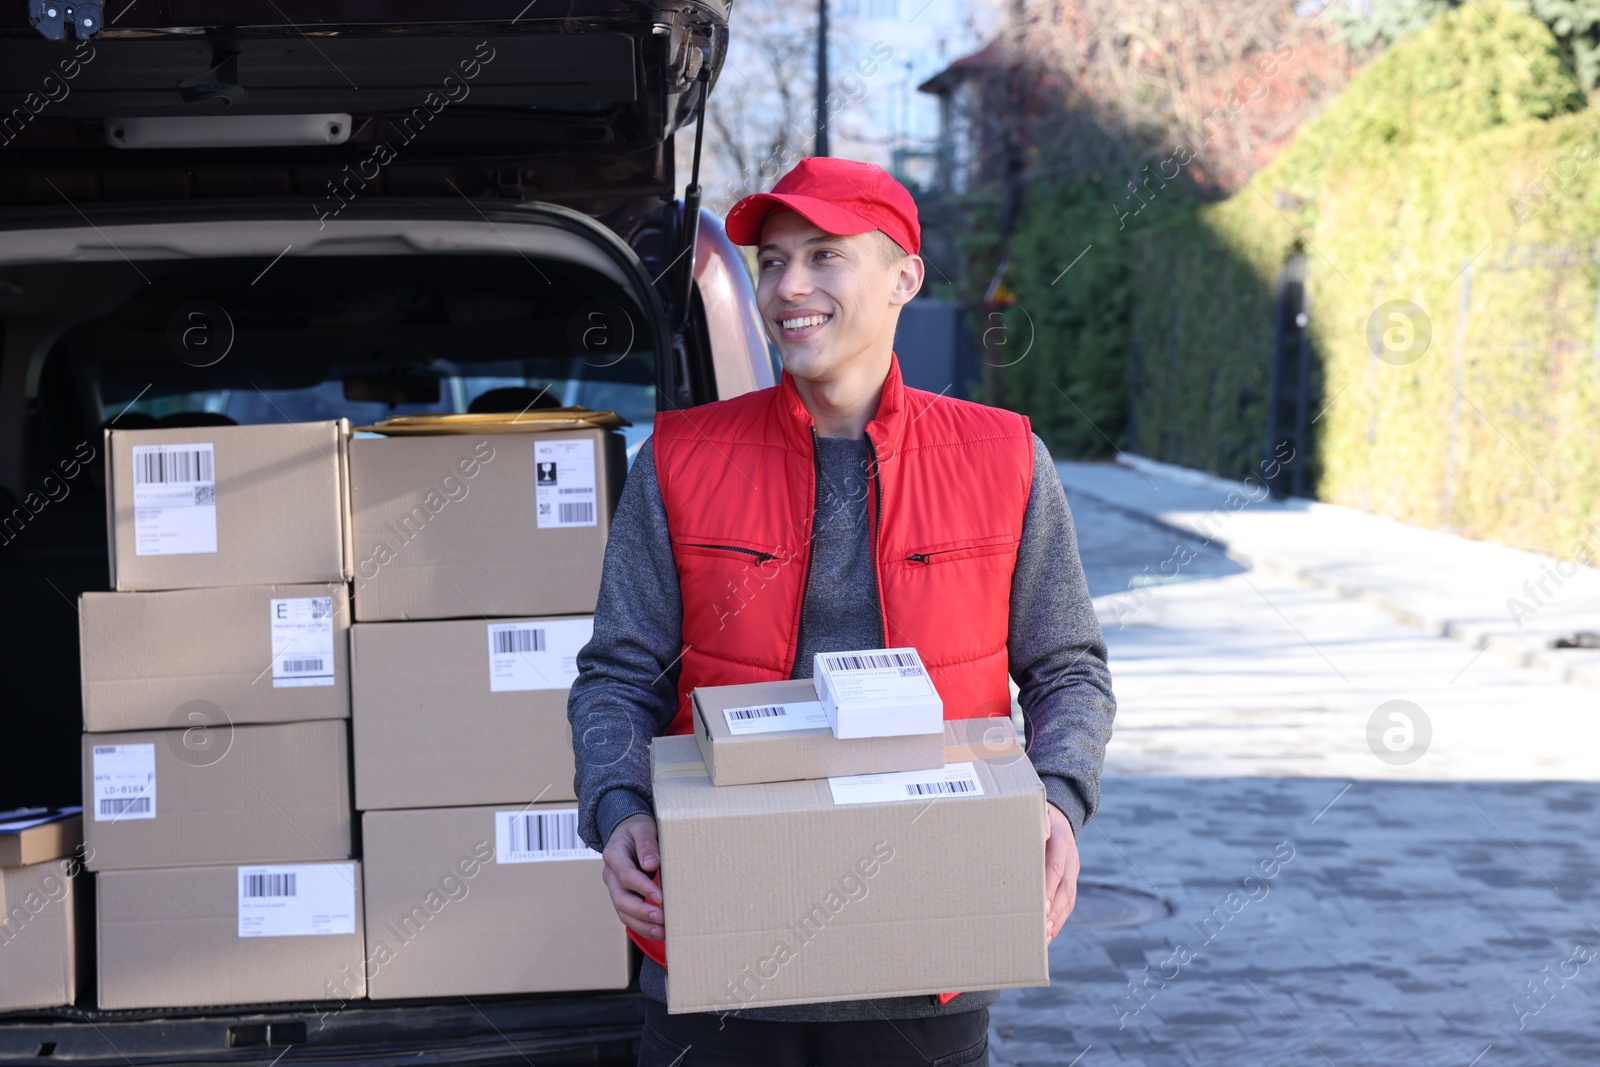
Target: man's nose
794,281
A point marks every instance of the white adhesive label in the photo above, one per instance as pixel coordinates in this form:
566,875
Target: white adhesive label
302,641
566,483
776,718
954,780
174,499
297,900
124,782
891,674
536,655
539,837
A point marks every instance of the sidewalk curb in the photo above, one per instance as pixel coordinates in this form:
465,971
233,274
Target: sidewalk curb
1531,653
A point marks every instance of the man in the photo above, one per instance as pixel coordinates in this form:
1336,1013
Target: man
838,510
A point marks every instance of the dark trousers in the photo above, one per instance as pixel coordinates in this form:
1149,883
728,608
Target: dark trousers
713,1040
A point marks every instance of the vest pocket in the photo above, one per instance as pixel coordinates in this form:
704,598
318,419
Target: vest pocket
736,552
949,554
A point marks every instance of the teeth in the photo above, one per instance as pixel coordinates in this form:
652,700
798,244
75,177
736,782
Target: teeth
800,324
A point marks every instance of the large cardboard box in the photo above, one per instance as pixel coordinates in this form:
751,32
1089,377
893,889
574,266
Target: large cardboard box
39,943
470,901
205,657
778,731
230,794
464,712
853,888
33,835
202,506
462,526
199,936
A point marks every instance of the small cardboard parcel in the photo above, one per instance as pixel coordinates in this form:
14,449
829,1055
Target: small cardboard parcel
877,885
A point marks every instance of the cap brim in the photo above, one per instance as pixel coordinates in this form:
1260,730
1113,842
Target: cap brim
745,218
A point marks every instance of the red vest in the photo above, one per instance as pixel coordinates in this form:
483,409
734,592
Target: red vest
947,489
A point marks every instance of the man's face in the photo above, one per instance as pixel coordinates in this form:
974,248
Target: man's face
829,301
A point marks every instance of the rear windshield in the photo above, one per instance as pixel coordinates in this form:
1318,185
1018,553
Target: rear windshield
365,339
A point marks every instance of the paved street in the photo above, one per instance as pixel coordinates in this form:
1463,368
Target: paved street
1339,895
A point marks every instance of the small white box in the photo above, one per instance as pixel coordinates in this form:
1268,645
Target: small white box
879,692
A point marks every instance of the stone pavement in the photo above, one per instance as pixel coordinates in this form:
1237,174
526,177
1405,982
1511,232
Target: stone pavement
1345,887
1510,602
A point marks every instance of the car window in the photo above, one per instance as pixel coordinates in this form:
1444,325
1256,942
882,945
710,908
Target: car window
458,386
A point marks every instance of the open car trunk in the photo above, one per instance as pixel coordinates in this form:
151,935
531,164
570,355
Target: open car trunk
409,307
378,213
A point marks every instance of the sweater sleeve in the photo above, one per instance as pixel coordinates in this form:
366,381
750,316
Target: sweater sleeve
1057,652
626,691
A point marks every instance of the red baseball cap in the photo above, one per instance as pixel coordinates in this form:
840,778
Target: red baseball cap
837,195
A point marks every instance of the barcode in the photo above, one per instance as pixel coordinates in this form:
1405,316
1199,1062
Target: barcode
923,789
125,806
757,713
866,661
161,467
322,607
269,885
518,639
577,512
105,750
545,831
584,489
302,666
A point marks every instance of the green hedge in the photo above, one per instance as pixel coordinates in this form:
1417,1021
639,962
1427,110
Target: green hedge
1464,140
1060,354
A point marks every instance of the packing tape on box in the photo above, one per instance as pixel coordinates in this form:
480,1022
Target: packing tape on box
1002,745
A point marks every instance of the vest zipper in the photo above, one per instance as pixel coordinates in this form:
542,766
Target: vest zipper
877,587
761,556
811,541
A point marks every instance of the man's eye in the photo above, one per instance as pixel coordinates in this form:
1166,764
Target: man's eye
767,264
825,252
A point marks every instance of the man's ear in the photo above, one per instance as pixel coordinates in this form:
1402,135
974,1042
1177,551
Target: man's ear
908,280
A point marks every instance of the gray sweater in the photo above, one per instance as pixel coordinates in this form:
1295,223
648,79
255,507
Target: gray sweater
626,691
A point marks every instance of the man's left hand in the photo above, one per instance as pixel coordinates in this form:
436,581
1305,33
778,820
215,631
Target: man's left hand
1060,871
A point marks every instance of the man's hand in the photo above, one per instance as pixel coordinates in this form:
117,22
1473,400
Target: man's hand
1060,870
631,857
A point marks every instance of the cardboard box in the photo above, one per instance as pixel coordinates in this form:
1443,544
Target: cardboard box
463,712
34,835
460,526
39,944
201,936
777,732
464,901
234,794
205,657
203,506
878,692
853,888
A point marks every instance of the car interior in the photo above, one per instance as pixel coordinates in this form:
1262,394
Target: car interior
191,342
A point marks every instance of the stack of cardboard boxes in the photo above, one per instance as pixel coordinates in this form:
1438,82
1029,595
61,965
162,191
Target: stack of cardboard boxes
836,839
216,800
477,565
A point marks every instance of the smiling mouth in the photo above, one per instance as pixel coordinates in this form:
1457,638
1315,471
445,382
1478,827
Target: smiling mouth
804,321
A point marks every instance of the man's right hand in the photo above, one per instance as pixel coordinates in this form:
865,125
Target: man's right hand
631,857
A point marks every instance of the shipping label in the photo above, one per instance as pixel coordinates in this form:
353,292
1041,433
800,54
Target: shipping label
776,718
540,654
302,641
542,836
124,782
297,900
953,780
174,499
564,471
894,674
